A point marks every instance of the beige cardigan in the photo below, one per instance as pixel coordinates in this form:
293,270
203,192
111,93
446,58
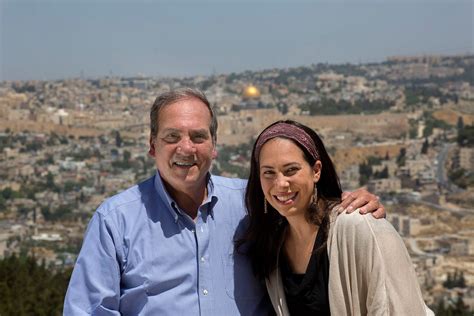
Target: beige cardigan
370,271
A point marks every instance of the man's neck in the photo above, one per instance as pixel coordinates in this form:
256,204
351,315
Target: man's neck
189,200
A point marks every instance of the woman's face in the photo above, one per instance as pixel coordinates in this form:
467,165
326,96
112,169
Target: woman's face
287,178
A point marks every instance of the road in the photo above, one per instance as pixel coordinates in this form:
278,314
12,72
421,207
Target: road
441,176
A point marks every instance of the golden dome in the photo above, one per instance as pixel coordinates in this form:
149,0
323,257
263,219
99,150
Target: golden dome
251,92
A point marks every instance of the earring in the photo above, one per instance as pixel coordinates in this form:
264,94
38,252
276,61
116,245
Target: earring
315,195
265,207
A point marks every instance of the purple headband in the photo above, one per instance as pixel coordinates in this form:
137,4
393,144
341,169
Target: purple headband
287,131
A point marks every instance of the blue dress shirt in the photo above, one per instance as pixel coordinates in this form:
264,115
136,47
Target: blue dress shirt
142,255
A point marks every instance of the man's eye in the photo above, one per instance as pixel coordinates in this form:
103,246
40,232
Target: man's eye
200,138
171,138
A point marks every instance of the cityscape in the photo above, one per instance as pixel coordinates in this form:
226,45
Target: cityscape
403,128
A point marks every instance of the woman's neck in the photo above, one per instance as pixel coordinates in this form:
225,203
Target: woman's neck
299,229
299,243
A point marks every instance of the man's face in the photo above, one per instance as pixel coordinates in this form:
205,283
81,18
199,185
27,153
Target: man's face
183,148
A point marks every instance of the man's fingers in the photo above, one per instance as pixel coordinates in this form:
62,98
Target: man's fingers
371,206
380,212
363,201
346,199
345,194
358,203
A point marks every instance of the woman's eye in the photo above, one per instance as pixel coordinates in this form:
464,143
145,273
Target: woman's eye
292,171
268,174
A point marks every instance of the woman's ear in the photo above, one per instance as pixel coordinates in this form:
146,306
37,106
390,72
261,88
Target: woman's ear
317,171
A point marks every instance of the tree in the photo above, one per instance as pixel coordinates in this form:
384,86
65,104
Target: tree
365,171
50,180
118,139
455,279
401,157
460,123
466,136
2,203
449,281
461,280
381,174
283,108
29,288
428,130
70,186
7,193
460,308
126,156
424,147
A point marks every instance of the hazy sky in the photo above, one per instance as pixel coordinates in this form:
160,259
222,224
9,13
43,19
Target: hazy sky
64,38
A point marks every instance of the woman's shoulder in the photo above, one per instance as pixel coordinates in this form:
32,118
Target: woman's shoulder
360,224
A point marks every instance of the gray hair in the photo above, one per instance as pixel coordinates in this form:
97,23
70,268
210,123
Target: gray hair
174,96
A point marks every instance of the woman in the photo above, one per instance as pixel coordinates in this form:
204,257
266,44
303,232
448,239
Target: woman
314,262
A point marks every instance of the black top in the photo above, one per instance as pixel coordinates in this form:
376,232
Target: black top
307,294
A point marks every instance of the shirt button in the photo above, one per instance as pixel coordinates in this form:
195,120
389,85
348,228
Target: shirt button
205,292
203,259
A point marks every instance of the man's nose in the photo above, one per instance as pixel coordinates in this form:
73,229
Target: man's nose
186,147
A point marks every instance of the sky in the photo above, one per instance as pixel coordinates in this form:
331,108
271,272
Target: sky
58,39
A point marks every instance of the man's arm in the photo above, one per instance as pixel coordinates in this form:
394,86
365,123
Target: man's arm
363,201
94,287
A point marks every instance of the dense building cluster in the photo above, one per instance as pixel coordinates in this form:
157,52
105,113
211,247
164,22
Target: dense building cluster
404,128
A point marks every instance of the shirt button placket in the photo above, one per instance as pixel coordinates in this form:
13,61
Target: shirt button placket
202,237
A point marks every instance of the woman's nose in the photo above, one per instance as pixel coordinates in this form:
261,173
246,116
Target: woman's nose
281,181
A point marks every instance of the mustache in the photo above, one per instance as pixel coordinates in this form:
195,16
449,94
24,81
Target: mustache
184,159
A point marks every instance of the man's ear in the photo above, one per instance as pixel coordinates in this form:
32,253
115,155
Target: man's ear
317,171
151,151
214,153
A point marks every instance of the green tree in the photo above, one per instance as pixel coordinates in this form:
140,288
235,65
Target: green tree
3,203
460,308
118,139
283,108
461,282
460,123
70,186
449,281
401,158
466,136
7,193
126,156
383,174
425,146
50,180
365,171
29,288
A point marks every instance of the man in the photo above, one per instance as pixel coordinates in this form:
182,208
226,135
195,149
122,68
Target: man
165,246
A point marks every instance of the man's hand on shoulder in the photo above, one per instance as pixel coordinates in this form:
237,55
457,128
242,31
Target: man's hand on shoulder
362,201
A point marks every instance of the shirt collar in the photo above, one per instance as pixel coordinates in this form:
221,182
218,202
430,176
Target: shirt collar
212,198
175,211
